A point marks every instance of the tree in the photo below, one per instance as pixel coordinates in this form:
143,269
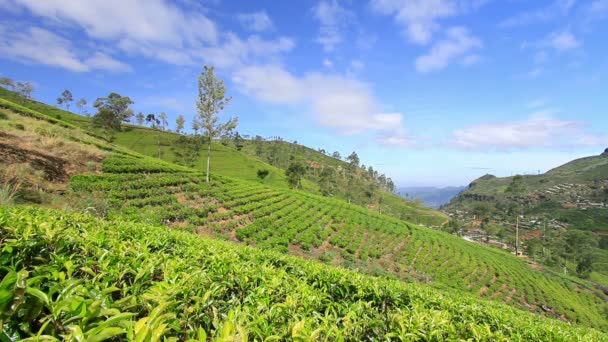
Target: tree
66,98
263,173
211,101
112,111
152,120
7,82
81,105
239,143
139,118
179,123
195,126
294,174
353,159
517,186
163,120
24,89
336,155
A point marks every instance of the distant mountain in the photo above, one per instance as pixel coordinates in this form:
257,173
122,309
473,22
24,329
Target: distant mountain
433,197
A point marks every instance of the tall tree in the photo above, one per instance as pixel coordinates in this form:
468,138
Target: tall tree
81,104
336,155
112,111
139,118
211,101
164,122
179,123
65,99
24,89
353,159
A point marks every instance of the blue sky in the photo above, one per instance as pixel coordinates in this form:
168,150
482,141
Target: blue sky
431,92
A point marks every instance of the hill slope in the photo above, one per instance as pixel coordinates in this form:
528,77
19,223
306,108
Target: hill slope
96,279
566,203
333,231
136,187
227,161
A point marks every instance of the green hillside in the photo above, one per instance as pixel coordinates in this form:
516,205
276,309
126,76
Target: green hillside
563,213
81,278
53,268
227,161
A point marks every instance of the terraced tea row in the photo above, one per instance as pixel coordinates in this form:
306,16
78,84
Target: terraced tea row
341,234
75,277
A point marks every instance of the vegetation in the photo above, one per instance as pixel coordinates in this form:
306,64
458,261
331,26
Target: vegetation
336,232
79,278
211,101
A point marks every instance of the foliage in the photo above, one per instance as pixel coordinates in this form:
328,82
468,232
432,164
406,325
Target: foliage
112,111
262,173
179,123
211,101
78,278
66,98
361,239
294,174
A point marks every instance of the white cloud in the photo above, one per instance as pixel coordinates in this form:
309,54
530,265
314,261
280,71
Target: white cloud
328,63
540,129
597,10
458,42
420,17
332,18
137,20
257,21
337,102
104,62
553,11
37,45
561,41
234,51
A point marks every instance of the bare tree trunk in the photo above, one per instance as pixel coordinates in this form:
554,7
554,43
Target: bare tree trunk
208,159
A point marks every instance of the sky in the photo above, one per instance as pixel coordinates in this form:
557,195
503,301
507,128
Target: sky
430,92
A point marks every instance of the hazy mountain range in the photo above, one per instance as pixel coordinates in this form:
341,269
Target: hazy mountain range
431,196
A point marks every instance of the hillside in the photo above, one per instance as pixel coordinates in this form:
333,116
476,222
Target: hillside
84,278
568,202
126,186
228,161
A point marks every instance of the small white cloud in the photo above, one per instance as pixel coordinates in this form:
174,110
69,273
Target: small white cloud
420,17
257,21
548,13
458,42
333,18
104,62
234,51
562,41
328,63
540,129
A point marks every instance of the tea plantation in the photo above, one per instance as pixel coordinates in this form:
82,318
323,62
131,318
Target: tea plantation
336,232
